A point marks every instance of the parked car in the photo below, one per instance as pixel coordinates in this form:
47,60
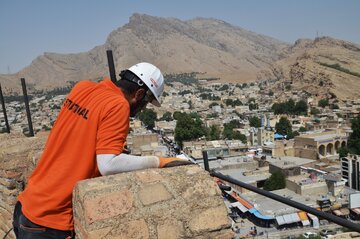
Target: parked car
309,234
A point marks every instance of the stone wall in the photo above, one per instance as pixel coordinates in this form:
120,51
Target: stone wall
18,157
179,202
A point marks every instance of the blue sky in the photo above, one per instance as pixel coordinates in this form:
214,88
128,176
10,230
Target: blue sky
30,28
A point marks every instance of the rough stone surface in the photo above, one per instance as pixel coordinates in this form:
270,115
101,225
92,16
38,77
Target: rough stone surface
179,202
108,206
154,193
18,157
154,203
171,229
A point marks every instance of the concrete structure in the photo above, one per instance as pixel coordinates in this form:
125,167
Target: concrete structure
179,202
216,148
289,166
320,145
350,170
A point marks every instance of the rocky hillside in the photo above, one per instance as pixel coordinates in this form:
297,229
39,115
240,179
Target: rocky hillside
324,67
210,46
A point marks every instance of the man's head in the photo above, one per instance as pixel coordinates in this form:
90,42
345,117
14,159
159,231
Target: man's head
142,83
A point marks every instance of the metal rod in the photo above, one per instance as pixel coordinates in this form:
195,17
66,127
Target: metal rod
4,110
111,65
26,100
327,216
206,160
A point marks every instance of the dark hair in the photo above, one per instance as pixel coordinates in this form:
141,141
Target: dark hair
128,86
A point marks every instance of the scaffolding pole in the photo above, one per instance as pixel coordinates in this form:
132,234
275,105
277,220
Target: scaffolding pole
4,111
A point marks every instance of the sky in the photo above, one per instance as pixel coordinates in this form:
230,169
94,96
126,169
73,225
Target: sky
30,28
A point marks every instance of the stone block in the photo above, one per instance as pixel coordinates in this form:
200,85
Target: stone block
171,229
178,202
148,176
137,229
107,206
154,193
211,219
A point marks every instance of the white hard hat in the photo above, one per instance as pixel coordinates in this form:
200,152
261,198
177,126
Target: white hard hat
152,78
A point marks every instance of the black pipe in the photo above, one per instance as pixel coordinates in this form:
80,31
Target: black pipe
4,110
206,160
26,100
327,216
111,65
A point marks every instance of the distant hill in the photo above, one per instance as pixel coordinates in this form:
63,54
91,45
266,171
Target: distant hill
323,66
210,46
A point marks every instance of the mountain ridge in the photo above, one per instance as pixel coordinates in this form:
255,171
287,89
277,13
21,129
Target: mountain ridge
212,46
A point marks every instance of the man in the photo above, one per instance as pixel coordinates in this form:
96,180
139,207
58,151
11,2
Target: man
86,141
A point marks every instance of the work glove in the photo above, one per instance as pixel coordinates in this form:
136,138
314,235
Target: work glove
173,162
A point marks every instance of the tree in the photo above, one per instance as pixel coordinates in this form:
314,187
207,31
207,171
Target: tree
354,139
343,152
276,181
255,122
301,108
148,117
323,103
302,129
214,133
239,136
177,114
283,127
314,111
167,116
188,127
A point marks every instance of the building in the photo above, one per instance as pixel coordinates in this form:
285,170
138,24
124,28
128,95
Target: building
289,166
350,170
320,145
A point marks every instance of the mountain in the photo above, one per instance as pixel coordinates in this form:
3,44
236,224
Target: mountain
324,67
210,46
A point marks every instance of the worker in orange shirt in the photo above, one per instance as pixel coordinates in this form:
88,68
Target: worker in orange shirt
87,141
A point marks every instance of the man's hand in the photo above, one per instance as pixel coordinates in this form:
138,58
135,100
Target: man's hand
173,162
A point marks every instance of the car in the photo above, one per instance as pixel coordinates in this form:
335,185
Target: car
325,232
309,234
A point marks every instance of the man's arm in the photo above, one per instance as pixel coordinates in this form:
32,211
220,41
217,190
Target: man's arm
111,164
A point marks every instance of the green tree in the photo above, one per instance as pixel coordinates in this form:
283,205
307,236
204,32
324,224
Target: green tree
214,133
283,127
255,122
323,103
188,127
239,136
302,129
343,152
177,114
148,117
167,116
276,181
354,139
301,108
314,111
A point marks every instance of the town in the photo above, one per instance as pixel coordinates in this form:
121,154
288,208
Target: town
293,144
